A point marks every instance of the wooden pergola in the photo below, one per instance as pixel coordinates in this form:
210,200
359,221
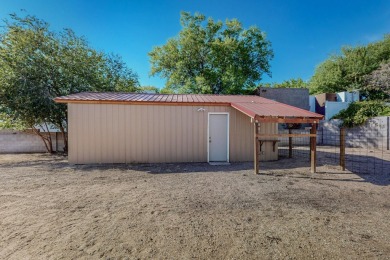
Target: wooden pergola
260,138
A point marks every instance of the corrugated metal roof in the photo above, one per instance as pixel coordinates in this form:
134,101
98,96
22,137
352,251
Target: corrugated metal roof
273,110
173,98
250,105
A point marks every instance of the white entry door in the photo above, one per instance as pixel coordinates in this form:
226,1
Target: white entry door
218,137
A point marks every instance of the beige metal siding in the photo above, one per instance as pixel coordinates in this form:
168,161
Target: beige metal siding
241,138
115,133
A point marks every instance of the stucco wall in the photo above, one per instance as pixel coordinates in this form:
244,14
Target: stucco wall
297,97
115,133
333,107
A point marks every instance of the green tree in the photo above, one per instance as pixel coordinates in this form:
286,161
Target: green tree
37,65
149,89
212,57
347,70
357,113
377,83
291,83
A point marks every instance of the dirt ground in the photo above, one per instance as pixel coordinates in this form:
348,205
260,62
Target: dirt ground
52,210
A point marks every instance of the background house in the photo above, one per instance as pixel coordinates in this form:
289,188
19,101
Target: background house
329,104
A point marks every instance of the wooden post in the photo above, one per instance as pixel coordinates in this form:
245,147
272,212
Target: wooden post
290,144
56,142
388,133
256,146
342,148
313,148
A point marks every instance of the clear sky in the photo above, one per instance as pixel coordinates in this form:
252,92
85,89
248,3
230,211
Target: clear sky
303,33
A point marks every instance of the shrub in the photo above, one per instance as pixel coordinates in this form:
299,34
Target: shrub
357,113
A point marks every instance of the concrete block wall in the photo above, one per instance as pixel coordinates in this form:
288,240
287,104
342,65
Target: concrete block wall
297,97
374,134
12,141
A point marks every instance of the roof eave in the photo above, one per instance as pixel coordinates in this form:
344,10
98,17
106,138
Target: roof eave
288,120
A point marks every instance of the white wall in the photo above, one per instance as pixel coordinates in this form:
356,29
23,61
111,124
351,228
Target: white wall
348,96
312,103
332,108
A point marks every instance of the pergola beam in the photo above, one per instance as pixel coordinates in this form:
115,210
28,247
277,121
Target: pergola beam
285,135
287,120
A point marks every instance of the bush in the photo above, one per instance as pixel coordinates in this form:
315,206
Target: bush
357,113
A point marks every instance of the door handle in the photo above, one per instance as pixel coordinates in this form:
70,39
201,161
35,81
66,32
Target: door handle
209,139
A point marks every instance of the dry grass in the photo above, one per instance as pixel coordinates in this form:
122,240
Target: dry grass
49,209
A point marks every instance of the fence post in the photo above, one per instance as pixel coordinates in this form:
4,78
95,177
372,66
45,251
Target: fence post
256,147
388,133
342,148
289,144
313,148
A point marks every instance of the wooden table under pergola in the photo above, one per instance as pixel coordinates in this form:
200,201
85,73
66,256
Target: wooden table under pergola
259,138
275,112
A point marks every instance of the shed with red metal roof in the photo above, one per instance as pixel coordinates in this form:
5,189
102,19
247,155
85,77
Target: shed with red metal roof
154,128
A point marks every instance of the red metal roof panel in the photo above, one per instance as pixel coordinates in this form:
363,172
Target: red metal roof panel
250,105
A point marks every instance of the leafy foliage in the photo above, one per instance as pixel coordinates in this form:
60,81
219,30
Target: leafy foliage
7,121
291,83
357,113
37,65
212,57
149,89
377,83
347,71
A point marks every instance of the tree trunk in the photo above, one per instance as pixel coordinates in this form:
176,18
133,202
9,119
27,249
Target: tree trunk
64,135
46,139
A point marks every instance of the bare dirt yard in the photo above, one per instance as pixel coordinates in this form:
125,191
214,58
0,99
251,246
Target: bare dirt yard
52,210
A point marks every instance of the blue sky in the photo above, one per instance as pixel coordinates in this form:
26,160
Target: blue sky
303,33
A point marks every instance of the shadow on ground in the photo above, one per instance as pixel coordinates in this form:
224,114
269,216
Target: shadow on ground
370,167
367,168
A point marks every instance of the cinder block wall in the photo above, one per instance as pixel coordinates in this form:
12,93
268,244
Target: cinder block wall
12,141
374,134
297,97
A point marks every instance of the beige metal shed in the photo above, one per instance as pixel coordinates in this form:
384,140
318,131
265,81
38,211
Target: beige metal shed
155,128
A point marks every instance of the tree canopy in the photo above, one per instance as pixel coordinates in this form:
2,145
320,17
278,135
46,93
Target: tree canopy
212,57
347,71
357,113
37,65
291,83
377,83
